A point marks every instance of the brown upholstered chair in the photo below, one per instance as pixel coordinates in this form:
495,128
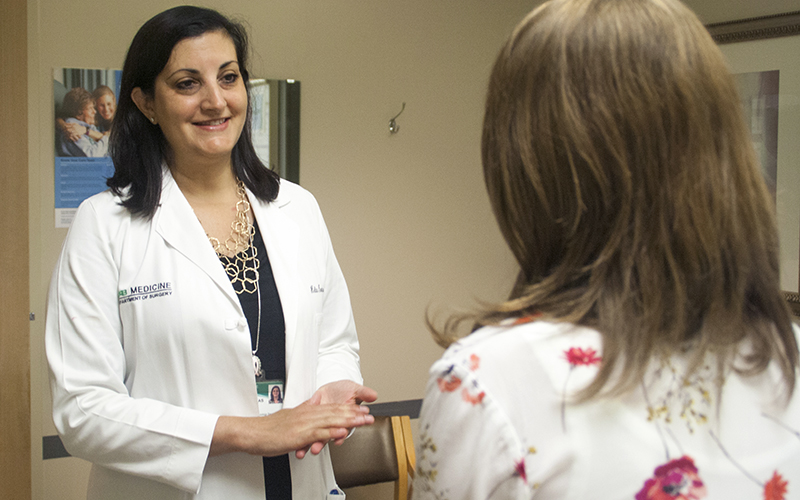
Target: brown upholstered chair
381,452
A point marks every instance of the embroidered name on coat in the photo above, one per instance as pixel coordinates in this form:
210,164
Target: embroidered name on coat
145,292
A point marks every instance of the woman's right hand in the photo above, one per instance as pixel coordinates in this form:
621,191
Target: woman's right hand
287,430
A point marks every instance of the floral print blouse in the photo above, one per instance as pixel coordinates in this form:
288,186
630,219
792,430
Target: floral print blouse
499,421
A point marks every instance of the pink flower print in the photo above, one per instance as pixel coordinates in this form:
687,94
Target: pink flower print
448,383
472,398
474,362
580,357
576,356
519,469
676,480
775,488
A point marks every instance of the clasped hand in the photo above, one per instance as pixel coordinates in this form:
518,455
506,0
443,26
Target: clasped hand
340,392
327,416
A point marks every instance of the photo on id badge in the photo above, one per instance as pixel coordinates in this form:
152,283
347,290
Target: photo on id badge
270,396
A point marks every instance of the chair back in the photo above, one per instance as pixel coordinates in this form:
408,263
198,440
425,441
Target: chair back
378,453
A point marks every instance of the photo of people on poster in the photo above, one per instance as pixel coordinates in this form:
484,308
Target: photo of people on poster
85,101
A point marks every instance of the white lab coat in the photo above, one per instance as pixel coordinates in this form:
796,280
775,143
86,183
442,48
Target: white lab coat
147,345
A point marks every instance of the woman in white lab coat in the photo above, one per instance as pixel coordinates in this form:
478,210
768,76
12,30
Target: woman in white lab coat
197,275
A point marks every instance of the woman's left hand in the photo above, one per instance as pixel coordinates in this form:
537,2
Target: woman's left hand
345,391
339,392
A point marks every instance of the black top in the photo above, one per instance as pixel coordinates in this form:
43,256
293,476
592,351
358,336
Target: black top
271,352
272,341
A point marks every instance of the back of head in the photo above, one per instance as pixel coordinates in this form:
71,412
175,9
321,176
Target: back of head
623,178
138,147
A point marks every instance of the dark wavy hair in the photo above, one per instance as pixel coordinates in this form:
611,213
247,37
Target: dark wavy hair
624,180
138,148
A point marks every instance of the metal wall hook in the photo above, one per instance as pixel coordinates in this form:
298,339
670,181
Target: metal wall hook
393,126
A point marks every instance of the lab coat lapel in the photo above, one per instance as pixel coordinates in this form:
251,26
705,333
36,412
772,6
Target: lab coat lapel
178,225
281,238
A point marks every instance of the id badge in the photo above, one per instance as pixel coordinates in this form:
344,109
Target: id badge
270,396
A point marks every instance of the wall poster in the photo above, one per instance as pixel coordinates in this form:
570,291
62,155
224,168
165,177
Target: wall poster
85,102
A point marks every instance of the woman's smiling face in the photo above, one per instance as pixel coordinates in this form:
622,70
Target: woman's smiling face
106,106
200,99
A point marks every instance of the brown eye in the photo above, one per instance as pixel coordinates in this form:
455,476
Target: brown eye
230,78
185,84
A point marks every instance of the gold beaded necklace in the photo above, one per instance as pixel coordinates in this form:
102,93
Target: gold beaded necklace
240,260
239,256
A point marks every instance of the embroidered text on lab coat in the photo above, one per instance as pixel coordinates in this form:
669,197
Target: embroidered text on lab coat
145,292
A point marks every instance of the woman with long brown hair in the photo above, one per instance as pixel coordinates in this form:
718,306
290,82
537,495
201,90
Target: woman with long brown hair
646,350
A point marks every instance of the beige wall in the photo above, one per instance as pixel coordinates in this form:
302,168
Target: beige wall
717,11
407,213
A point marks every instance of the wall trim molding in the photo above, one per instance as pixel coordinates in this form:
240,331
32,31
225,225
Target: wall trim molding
756,28
15,354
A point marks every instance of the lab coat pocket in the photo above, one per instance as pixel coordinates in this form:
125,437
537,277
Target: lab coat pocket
317,325
313,335
314,345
